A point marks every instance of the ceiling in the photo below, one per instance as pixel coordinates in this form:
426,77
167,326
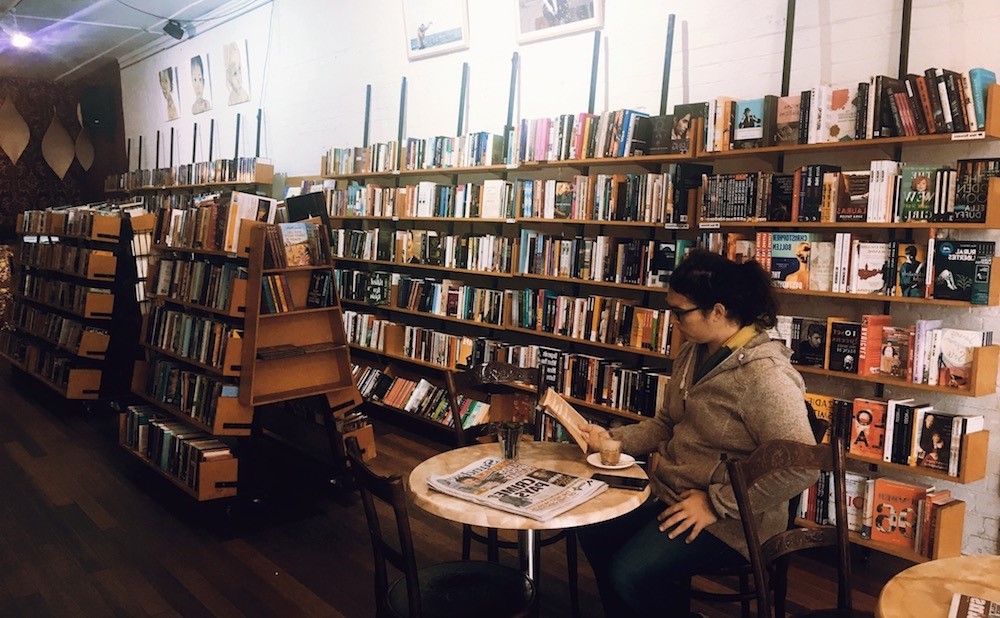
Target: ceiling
71,38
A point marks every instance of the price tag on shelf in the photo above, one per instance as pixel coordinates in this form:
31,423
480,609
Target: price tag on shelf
510,221
968,135
512,165
709,225
395,218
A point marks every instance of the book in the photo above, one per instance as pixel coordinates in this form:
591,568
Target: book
934,436
972,188
295,243
821,266
911,260
810,345
868,428
852,196
955,268
787,121
839,113
843,347
566,414
516,487
979,83
970,606
869,264
956,350
895,359
748,122
894,511
869,347
917,197
683,122
822,406
790,253
660,131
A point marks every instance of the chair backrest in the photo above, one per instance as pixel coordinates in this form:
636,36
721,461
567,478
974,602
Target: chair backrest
487,377
400,554
775,456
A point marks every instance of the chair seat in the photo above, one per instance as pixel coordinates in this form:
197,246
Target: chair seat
467,588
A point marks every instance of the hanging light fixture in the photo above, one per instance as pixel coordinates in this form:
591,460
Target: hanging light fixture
8,24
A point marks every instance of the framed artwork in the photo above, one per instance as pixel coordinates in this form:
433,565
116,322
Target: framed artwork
170,89
234,60
545,19
435,27
201,84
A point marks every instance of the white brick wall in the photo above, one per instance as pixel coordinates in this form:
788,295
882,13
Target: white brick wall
322,53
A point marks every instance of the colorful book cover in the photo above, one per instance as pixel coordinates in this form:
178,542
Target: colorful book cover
955,361
790,252
839,113
748,123
822,406
852,196
979,82
683,123
869,264
972,188
868,428
295,238
916,201
911,264
787,125
955,267
810,347
821,266
844,339
934,436
895,352
894,511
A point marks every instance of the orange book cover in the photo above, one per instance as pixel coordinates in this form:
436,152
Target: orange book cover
870,349
894,511
868,428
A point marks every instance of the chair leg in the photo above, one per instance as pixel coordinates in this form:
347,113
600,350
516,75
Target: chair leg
574,588
683,603
780,587
466,541
745,592
492,545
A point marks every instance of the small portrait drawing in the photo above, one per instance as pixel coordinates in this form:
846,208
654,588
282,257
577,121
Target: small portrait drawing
200,85
233,58
167,86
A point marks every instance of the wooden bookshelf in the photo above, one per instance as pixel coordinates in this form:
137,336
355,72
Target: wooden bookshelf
972,467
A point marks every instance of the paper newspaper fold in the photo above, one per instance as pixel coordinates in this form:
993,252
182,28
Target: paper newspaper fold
515,487
566,414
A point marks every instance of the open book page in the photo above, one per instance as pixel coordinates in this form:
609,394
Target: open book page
566,414
515,487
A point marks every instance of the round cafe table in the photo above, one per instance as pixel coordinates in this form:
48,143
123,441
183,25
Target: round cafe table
566,458
925,589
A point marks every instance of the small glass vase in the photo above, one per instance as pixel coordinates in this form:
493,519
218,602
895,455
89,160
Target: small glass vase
509,437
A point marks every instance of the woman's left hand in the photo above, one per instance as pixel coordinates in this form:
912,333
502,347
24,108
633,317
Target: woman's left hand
693,512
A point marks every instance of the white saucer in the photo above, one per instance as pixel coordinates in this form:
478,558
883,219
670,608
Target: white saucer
626,461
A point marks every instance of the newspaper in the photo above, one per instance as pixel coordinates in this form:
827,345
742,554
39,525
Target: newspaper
515,487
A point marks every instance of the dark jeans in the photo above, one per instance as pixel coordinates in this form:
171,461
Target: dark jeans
637,567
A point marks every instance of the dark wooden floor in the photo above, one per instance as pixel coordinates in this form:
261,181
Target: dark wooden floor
87,531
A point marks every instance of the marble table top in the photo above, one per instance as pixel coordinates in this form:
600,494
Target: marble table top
925,589
567,458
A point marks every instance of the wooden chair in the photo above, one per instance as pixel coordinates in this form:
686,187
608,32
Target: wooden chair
744,572
448,589
780,455
497,378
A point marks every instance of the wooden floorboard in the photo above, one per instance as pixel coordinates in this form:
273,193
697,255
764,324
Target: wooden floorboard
85,530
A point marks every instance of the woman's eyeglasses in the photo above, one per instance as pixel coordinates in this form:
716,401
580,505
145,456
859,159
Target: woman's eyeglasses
679,313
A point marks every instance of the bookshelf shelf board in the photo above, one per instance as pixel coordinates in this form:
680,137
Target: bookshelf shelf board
197,251
587,342
484,273
422,219
972,468
99,316
402,358
93,279
296,269
913,140
588,404
602,284
476,169
544,221
894,550
202,185
422,419
297,312
433,316
93,346
983,382
297,393
210,369
881,298
183,303
898,225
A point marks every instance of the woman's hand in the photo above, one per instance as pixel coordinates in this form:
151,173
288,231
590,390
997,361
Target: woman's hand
593,434
694,512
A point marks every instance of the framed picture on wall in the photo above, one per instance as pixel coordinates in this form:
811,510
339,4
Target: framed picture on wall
170,88
435,27
545,19
201,84
237,67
